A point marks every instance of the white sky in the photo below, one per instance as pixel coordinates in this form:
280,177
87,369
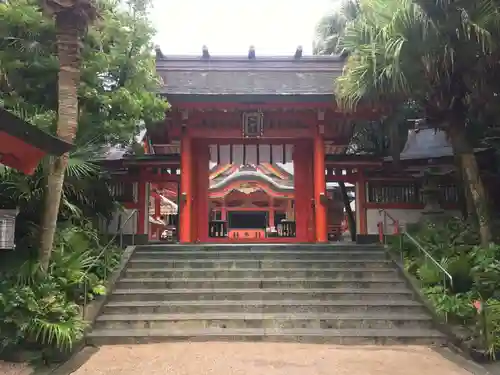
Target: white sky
229,27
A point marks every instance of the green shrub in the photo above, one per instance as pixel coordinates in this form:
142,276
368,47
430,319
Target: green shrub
457,308
38,316
44,312
492,327
475,271
485,270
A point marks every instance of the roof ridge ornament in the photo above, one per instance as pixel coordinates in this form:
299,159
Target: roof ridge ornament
205,53
159,53
298,53
251,53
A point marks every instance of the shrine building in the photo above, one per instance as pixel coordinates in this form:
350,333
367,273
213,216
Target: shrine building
253,150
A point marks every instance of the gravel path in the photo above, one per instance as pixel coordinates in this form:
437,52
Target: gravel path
266,359
14,369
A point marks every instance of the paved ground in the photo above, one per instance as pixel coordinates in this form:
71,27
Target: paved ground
266,359
14,369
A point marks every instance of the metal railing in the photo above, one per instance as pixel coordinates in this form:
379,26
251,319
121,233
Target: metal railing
382,225
403,234
118,234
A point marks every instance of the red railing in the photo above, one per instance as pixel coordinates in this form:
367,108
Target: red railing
382,225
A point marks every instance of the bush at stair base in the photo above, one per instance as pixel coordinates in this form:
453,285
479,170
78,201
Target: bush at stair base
41,315
38,317
476,277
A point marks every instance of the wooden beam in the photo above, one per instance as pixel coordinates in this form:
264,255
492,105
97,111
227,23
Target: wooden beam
352,178
149,177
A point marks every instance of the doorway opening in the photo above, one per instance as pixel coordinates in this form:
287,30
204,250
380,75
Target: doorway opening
164,212
251,192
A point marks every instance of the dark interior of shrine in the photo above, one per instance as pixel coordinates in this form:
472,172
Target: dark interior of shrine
247,220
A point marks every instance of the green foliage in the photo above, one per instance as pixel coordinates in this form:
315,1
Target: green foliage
459,235
117,98
475,271
45,311
118,90
485,270
38,314
330,29
455,307
491,327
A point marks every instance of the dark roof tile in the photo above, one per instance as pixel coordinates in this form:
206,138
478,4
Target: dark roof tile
240,76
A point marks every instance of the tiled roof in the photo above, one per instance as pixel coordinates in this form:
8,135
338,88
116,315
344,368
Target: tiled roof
228,75
426,143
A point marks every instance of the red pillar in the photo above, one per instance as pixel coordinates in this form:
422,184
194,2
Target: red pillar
186,192
363,226
202,184
304,191
157,231
320,209
141,215
223,211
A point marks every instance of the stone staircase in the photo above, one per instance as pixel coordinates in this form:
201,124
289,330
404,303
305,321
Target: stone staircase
343,294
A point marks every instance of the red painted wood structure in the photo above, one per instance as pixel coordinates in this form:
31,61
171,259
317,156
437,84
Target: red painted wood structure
241,188
269,110
228,111
23,145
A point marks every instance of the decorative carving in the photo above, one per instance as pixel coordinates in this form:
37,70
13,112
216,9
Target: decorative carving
248,188
252,124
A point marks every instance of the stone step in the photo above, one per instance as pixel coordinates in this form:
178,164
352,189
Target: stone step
260,255
236,264
258,283
267,321
330,273
289,294
395,336
301,306
260,247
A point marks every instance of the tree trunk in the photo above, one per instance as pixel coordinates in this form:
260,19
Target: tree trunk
474,183
68,43
350,215
464,194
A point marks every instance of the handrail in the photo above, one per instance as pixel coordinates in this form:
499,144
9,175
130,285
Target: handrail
380,210
381,225
428,255
404,233
110,242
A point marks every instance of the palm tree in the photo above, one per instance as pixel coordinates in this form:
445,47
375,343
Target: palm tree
429,51
330,29
374,137
72,18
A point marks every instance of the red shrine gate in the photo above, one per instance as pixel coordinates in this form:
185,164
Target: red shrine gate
238,132
248,111
310,213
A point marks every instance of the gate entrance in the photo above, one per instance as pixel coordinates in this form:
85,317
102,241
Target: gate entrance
245,144
251,192
248,190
